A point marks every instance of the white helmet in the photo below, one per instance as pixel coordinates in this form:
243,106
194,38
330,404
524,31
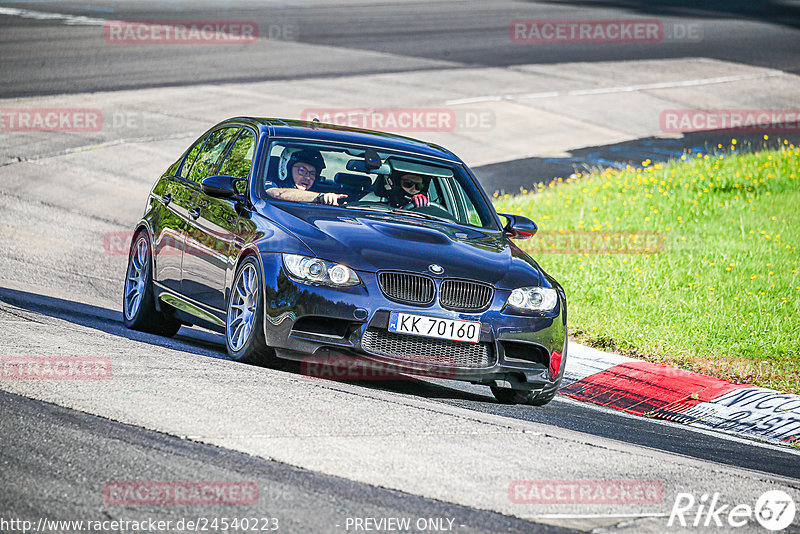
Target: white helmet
283,164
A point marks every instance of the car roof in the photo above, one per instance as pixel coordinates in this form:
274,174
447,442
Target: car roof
330,132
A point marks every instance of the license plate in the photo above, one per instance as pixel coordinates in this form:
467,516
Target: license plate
421,325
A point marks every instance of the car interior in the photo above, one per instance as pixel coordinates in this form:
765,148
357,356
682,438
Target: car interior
360,174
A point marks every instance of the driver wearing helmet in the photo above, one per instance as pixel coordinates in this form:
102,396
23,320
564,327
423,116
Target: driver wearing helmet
402,189
302,168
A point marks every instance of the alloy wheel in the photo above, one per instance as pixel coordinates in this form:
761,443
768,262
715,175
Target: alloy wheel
242,307
137,278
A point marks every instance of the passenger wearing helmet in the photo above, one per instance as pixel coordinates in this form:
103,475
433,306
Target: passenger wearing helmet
302,169
402,189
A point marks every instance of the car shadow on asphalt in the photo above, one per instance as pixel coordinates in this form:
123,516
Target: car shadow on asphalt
768,11
110,321
204,343
402,384
517,175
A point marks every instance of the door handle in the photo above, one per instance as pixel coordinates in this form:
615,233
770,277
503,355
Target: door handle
166,199
194,212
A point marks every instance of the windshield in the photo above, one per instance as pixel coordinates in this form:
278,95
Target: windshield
378,180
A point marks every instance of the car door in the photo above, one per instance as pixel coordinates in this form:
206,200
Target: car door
212,222
176,198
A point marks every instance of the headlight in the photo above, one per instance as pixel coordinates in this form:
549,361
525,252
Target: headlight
533,298
307,269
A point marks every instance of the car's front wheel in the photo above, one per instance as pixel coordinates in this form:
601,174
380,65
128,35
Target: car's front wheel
138,301
244,325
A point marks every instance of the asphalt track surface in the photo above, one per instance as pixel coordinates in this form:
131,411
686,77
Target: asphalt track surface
562,411
300,501
51,451
50,57
57,56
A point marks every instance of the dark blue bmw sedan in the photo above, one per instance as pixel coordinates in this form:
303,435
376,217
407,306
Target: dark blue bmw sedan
302,240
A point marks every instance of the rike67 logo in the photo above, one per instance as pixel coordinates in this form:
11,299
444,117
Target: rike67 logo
774,510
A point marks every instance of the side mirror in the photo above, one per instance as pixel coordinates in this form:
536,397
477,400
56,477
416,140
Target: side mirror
518,227
220,186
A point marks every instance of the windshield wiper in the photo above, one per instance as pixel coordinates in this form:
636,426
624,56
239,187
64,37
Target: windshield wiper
386,209
397,211
421,215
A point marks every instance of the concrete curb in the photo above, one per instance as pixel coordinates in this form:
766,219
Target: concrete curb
663,392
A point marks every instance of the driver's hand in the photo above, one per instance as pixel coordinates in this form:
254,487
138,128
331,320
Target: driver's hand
420,200
332,199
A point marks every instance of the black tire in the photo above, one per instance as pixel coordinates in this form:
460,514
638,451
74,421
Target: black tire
544,397
142,314
253,349
520,396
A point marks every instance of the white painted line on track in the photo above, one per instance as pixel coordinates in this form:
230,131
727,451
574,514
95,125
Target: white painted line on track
598,516
751,441
370,435
69,20
75,20
619,89
95,146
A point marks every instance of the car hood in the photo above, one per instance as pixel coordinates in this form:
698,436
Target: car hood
374,241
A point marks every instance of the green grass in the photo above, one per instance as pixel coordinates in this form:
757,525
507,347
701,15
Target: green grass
693,263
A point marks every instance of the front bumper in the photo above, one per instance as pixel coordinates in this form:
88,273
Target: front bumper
311,322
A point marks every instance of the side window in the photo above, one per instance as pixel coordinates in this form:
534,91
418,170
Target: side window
240,158
445,197
457,202
472,210
434,192
187,162
209,156
472,214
